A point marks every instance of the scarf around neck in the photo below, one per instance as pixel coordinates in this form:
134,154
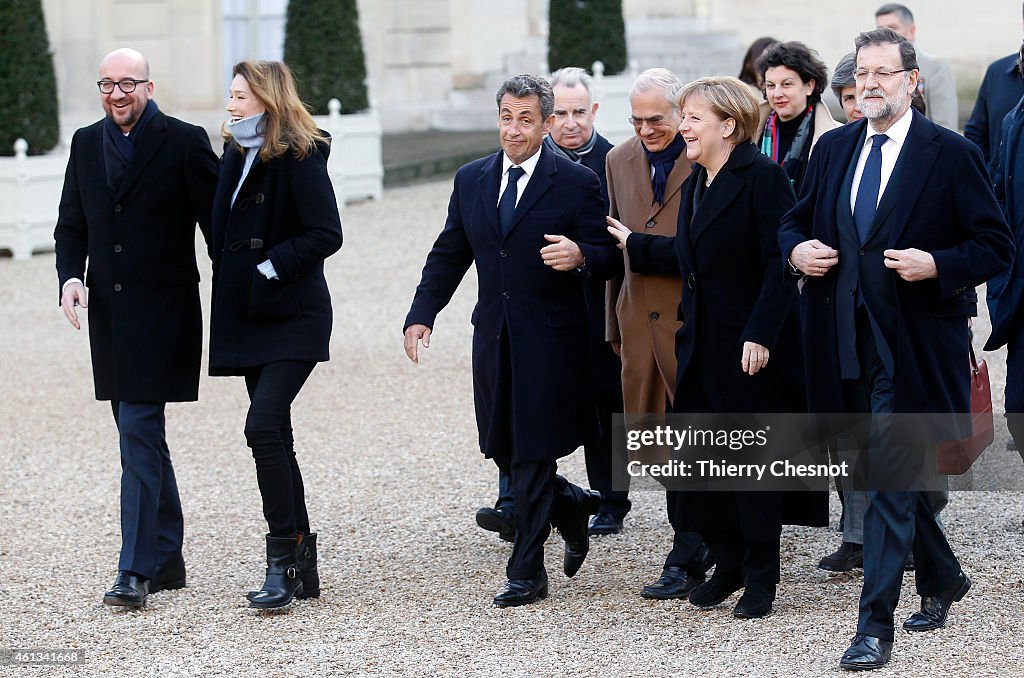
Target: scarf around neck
247,133
662,162
119,148
799,150
576,154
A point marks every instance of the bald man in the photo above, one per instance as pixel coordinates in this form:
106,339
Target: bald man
136,184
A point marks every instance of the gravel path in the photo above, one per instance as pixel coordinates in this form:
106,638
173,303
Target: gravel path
393,478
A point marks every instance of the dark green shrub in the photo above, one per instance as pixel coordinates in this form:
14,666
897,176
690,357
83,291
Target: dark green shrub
584,31
324,49
28,86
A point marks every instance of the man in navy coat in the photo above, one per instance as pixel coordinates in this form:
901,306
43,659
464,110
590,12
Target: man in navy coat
894,226
136,184
532,223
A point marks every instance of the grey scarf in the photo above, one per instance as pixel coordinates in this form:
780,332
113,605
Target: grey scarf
248,133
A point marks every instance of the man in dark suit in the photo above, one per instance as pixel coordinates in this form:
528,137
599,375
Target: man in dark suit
895,225
136,184
573,136
531,221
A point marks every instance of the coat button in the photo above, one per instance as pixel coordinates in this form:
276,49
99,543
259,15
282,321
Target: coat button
650,224
117,248
117,207
505,295
117,287
827,300
861,253
503,253
654,315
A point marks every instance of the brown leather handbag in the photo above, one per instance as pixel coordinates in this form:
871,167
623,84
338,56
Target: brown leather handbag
957,456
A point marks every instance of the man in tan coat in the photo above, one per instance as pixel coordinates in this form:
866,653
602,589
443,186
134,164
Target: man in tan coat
644,178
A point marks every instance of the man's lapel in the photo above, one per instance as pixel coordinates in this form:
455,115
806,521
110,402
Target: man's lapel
149,143
488,183
538,185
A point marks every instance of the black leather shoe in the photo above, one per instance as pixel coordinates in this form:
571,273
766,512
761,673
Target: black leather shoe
756,602
715,590
866,653
604,523
518,592
908,563
167,578
675,582
935,609
575,533
129,590
496,520
847,557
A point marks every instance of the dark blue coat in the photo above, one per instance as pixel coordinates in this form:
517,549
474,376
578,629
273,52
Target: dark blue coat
530,337
942,204
1006,293
285,211
1000,90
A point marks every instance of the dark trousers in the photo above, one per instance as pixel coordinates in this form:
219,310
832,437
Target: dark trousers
756,560
152,527
1015,389
684,544
899,520
268,432
543,499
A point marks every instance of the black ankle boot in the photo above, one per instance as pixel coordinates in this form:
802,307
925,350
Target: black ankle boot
282,581
305,557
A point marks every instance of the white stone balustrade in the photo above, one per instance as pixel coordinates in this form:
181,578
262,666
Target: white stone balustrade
29,194
355,164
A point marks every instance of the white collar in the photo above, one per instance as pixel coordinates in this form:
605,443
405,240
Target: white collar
528,165
899,130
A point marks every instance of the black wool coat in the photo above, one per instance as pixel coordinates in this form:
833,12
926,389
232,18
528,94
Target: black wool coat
144,316
285,211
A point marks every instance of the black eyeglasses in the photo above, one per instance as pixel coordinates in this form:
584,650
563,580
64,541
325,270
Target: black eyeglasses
127,85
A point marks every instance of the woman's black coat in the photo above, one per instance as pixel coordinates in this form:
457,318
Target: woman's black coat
285,211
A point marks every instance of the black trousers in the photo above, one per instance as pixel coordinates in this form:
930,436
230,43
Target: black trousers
684,543
152,527
756,560
268,432
899,520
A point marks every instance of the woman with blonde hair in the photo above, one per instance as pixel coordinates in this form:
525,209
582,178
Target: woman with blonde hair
275,220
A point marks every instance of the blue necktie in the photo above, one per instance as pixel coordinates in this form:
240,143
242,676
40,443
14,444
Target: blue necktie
507,204
867,194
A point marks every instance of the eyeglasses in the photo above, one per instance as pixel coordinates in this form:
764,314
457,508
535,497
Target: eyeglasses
127,85
861,74
654,121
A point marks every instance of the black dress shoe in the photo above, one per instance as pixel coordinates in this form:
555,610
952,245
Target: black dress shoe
847,557
129,590
574,531
604,523
675,582
866,653
715,590
756,602
167,578
935,609
496,520
908,563
523,591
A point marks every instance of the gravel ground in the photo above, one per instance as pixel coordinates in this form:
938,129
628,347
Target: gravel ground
393,478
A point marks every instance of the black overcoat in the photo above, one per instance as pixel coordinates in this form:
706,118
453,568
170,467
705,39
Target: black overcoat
285,211
728,257
145,319
528,317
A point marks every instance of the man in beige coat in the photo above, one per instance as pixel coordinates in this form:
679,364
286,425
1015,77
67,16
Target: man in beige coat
644,176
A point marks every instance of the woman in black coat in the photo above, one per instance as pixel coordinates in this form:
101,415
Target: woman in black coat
275,220
739,347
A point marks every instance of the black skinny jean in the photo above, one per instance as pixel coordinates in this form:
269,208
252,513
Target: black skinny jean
268,432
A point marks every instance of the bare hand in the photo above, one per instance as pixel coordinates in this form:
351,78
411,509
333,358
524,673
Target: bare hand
814,258
617,347
755,357
74,295
618,230
413,335
562,255
912,264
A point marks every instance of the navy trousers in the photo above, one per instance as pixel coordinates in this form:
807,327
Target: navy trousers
899,520
152,527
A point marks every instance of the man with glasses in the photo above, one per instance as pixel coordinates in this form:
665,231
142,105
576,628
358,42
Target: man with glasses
136,184
895,226
645,175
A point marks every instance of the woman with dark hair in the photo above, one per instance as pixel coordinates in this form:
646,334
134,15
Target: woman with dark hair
748,72
275,220
793,117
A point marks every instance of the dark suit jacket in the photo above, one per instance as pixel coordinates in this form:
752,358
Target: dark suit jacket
1001,89
145,321
530,320
286,212
941,203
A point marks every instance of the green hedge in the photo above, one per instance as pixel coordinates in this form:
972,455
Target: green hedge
584,31
28,86
324,49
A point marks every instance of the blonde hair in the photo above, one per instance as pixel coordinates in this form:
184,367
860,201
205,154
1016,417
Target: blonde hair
728,97
287,123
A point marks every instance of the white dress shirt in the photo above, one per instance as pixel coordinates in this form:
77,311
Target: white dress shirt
890,154
528,166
